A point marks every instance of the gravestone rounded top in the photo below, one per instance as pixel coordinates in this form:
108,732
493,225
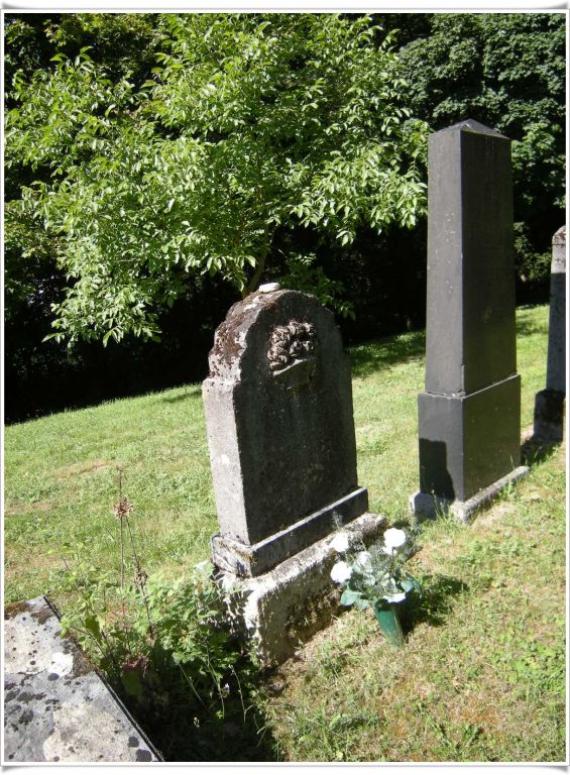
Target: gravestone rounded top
560,236
274,329
278,404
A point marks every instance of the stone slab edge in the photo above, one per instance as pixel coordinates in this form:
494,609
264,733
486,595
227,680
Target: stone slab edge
285,607
236,557
57,706
427,505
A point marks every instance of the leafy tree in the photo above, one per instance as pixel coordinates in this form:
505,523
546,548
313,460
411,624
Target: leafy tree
249,125
42,376
125,43
507,71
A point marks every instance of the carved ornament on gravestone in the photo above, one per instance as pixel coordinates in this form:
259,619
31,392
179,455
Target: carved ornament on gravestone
278,404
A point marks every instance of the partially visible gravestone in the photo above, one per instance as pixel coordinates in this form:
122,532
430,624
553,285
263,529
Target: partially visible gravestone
469,415
278,405
56,707
280,426
549,403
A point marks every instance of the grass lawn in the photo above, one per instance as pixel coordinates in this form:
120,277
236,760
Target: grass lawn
482,675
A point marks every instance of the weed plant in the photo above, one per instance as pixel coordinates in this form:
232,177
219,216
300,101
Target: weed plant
166,648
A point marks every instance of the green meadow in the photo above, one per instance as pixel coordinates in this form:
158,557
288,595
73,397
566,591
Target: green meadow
482,675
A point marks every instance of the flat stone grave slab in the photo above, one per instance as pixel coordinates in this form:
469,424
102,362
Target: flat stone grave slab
56,706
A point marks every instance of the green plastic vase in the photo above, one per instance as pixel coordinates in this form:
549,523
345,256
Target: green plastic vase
388,618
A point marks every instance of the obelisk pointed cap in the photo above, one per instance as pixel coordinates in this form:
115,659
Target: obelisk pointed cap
470,125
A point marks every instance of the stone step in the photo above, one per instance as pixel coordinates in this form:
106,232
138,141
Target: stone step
57,708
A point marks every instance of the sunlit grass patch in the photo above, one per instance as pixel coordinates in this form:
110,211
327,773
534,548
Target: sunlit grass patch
481,677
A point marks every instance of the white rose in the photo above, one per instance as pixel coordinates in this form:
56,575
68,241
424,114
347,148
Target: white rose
393,538
396,598
341,572
364,559
340,542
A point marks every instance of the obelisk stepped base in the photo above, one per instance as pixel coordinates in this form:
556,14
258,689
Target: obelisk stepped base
468,442
428,505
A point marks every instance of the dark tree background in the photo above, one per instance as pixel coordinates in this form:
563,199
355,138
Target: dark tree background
504,70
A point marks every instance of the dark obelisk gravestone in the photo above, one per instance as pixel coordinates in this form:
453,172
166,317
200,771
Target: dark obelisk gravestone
469,414
549,403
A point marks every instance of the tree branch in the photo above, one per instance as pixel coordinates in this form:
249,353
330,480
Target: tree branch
256,276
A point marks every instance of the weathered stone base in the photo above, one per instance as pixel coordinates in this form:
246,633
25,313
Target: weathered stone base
283,608
549,416
427,505
244,560
56,706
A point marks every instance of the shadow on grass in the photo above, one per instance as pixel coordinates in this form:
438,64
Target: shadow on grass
369,358
190,392
435,602
184,729
535,451
529,327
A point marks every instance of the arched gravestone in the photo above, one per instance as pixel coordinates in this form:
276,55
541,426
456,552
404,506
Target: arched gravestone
278,405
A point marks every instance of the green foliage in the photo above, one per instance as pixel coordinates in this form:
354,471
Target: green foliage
26,47
305,274
248,124
166,646
37,45
507,71
188,617
125,42
159,641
